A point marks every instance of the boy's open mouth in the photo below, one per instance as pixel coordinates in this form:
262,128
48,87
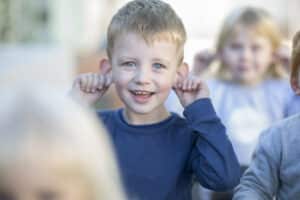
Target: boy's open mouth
141,93
141,96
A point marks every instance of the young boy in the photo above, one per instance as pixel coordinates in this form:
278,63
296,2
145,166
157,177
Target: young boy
274,172
159,152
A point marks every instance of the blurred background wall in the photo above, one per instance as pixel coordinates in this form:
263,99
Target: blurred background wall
56,39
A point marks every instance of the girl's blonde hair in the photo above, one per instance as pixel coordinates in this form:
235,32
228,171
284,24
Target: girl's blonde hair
40,125
295,60
257,19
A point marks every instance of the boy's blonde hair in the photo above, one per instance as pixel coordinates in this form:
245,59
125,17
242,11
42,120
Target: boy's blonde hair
151,19
257,19
42,127
295,60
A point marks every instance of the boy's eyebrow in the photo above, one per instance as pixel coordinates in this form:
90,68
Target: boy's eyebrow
122,58
161,60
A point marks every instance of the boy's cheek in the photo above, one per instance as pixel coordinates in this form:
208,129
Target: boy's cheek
119,81
167,86
115,78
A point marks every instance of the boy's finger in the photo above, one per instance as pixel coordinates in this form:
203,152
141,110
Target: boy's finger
191,82
89,81
108,80
185,85
100,82
83,83
94,83
198,85
195,85
105,81
76,84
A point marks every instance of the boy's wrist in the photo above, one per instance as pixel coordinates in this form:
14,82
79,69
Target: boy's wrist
200,107
191,102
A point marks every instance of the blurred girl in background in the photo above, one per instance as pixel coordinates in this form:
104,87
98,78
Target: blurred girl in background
250,89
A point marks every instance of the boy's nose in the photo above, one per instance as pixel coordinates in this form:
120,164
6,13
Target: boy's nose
142,76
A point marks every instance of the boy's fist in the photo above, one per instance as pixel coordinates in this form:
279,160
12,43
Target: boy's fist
191,89
90,87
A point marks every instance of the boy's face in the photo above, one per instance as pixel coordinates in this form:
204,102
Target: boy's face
247,55
38,181
143,73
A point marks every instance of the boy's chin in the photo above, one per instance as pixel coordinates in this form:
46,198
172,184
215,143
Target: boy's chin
140,110
145,109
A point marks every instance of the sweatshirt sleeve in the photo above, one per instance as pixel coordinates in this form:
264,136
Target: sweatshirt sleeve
261,180
212,159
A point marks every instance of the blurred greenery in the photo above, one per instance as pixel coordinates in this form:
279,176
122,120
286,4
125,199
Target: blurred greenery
24,21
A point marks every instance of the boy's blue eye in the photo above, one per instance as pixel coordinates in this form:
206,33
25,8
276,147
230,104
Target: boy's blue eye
129,64
158,66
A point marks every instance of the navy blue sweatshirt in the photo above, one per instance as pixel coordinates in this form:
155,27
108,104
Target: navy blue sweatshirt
160,161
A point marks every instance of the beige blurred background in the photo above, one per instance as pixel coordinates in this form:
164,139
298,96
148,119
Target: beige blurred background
50,41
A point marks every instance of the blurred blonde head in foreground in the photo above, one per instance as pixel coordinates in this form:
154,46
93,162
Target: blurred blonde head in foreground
50,148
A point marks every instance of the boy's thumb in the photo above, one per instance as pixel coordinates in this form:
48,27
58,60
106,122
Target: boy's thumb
76,84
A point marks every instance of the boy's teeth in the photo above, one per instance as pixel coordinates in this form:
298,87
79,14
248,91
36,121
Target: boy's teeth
141,92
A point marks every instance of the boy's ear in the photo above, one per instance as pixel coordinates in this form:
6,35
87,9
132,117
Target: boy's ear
105,66
182,72
295,84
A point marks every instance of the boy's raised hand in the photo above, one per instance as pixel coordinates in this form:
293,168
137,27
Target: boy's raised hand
191,89
90,87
